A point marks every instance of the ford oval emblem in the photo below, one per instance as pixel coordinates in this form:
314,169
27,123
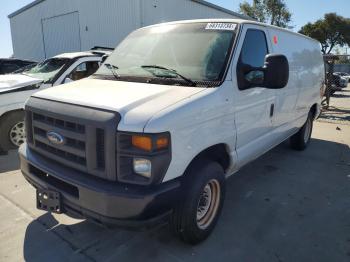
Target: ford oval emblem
55,138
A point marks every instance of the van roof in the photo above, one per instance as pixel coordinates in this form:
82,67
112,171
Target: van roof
230,20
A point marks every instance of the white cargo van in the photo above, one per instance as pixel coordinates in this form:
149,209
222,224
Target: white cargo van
15,89
176,109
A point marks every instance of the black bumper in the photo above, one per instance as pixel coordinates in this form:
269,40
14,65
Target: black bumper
106,202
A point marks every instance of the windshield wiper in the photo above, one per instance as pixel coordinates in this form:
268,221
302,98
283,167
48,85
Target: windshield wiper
113,69
191,82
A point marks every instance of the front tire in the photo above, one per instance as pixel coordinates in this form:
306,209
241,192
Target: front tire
12,132
301,140
195,217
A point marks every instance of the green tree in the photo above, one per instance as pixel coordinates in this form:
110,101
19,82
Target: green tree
274,12
331,31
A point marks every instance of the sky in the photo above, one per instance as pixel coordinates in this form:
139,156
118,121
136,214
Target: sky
303,11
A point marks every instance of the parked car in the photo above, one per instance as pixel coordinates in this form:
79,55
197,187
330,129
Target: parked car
9,65
175,110
15,89
338,83
343,75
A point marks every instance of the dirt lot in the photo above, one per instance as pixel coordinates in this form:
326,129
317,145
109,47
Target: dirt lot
285,206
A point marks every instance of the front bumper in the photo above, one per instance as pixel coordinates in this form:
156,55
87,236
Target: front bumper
106,202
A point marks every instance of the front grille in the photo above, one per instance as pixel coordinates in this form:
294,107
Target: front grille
88,136
73,149
61,153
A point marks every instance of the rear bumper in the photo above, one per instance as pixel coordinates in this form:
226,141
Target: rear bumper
105,202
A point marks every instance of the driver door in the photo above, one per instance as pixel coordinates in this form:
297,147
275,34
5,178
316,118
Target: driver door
253,103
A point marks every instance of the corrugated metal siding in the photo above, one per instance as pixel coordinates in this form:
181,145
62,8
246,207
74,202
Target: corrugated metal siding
61,34
26,27
103,22
156,11
107,22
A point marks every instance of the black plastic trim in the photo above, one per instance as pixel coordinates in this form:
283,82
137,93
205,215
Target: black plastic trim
126,152
92,119
98,199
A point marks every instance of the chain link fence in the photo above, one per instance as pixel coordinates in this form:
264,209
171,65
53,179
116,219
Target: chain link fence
337,73
336,102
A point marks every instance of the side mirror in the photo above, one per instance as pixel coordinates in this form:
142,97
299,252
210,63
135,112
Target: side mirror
276,71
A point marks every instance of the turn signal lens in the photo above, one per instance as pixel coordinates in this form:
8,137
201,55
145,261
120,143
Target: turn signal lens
162,143
142,142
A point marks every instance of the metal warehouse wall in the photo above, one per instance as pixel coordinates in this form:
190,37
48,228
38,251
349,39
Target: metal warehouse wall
103,22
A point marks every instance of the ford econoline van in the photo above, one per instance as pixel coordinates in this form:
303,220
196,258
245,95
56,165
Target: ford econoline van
174,111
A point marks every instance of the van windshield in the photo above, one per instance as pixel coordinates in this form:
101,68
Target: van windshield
48,69
173,54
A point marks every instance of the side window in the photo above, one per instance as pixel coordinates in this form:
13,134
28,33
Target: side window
84,70
252,56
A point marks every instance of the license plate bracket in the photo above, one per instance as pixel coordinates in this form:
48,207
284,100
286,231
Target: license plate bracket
48,200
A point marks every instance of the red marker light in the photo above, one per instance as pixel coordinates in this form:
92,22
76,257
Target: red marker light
275,40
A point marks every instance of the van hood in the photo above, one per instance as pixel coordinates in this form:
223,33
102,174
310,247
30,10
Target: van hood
135,102
15,81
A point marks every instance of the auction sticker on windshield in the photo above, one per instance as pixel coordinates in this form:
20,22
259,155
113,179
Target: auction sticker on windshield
221,26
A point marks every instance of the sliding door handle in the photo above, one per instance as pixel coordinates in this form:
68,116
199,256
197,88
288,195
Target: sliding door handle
272,110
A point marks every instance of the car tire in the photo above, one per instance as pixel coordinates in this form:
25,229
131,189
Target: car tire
195,217
301,140
12,129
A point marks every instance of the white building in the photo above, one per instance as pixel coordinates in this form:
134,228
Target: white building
46,28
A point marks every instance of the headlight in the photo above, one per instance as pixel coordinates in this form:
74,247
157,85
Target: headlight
142,159
143,167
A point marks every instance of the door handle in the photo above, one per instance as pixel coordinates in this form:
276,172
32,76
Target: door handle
272,110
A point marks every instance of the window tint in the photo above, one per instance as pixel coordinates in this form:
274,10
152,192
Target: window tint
254,48
84,70
253,52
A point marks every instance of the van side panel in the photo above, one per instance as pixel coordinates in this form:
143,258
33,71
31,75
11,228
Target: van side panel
306,74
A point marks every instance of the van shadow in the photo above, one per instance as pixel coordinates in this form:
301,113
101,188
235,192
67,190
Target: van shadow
284,206
9,162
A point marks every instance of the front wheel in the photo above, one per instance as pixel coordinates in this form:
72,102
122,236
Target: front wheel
301,140
196,216
12,130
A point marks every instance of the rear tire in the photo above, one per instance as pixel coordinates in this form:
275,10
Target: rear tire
12,133
301,140
196,215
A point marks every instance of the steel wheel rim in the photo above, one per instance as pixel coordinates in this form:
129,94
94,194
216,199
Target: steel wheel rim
17,134
307,131
208,204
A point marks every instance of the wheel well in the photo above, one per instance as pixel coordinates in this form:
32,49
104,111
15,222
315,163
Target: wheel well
10,112
217,153
313,110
